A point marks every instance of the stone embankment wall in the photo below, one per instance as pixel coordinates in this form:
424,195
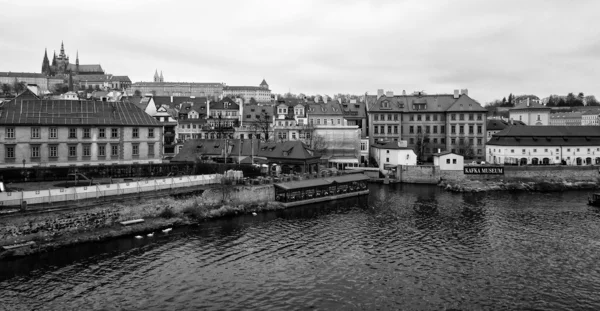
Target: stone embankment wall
433,175
61,222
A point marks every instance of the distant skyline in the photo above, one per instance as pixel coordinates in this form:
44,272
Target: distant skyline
492,48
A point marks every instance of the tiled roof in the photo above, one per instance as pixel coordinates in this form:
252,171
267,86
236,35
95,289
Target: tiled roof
434,103
190,84
225,103
547,136
243,88
497,125
294,149
390,145
565,115
443,153
73,112
264,82
122,78
354,110
466,103
248,111
176,100
329,108
86,68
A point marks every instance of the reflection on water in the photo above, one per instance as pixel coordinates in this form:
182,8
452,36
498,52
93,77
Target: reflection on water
405,247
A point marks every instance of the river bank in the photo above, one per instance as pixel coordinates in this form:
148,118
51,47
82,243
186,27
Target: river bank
521,184
48,235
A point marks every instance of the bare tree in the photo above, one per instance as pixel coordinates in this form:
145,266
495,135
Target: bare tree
263,126
6,88
420,145
465,148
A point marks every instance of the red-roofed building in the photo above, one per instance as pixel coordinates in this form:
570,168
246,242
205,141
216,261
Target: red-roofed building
67,132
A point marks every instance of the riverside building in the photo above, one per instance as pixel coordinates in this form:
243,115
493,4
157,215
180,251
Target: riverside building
72,133
545,145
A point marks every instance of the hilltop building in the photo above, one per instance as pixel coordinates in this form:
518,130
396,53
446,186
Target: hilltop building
261,93
158,87
61,65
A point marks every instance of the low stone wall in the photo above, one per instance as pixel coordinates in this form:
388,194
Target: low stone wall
432,175
239,194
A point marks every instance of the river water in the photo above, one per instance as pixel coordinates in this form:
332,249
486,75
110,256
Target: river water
403,247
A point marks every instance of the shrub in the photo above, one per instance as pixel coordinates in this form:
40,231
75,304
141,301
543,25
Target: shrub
167,212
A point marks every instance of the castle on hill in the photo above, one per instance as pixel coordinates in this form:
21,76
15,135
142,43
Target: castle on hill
62,67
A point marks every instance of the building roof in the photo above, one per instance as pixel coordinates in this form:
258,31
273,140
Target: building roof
73,112
190,84
252,112
192,148
330,108
290,150
466,103
356,110
443,153
26,75
225,103
434,103
309,183
498,125
564,115
122,78
244,88
86,68
264,82
531,105
176,101
390,145
547,136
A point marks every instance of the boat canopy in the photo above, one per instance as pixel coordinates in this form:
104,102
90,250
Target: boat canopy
309,183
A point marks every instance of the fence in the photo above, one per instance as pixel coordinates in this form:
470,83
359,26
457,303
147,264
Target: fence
98,191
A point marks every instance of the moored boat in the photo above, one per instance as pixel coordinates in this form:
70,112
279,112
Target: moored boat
323,189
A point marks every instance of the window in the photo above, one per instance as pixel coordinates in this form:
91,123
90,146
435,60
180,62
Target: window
332,122
418,129
53,152
135,150
150,133
318,121
427,117
387,151
471,117
479,141
479,151
447,161
442,140
339,121
479,129
114,133
389,117
387,159
479,116
435,129
35,151
389,129
10,132
568,149
101,133
453,141
114,150
102,151
411,118
453,117
53,132
435,117
35,133
461,116
461,129
382,129
72,151
135,133
418,117
427,129
395,129
453,129
87,133
453,161
151,149
72,132
470,129
442,129
411,129
363,146
376,128
294,135
534,150
87,150
10,152
412,141
471,142
538,117
435,140
376,117
395,117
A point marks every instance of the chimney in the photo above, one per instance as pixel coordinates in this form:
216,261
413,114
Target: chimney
389,94
464,92
456,94
379,93
404,92
527,101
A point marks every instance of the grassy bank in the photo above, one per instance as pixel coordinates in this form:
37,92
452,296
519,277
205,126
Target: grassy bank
157,214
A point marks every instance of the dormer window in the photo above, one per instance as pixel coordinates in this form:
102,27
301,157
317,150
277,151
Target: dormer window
385,104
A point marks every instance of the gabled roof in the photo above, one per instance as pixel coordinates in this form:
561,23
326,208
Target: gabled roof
86,68
354,110
289,150
264,82
547,136
467,104
74,112
225,103
26,94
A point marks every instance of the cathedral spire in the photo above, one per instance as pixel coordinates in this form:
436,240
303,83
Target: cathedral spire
77,58
62,49
161,77
156,75
46,63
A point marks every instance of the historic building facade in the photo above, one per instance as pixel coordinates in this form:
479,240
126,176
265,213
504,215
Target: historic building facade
453,122
61,65
67,133
531,113
533,145
260,94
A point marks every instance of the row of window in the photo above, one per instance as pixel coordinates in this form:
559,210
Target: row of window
283,135
589,150
331,121
72,151
427,117
86,133
462,141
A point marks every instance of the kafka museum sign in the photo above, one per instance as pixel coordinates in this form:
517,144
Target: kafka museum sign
492,170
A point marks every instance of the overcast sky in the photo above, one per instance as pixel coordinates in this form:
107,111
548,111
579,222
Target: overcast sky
493,48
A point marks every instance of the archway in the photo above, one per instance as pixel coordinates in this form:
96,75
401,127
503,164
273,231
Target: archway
578,161
523,161
588,161
534,161
545,161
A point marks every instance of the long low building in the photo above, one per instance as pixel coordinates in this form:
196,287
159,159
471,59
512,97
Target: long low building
525,145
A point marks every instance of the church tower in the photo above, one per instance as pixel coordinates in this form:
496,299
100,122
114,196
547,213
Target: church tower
162,79
77,63
156,77
46,64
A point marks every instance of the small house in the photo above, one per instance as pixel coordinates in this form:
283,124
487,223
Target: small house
448,161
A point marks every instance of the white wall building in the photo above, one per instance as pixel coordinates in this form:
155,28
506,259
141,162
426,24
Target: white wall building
448,161
393,153
530,113
567,145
